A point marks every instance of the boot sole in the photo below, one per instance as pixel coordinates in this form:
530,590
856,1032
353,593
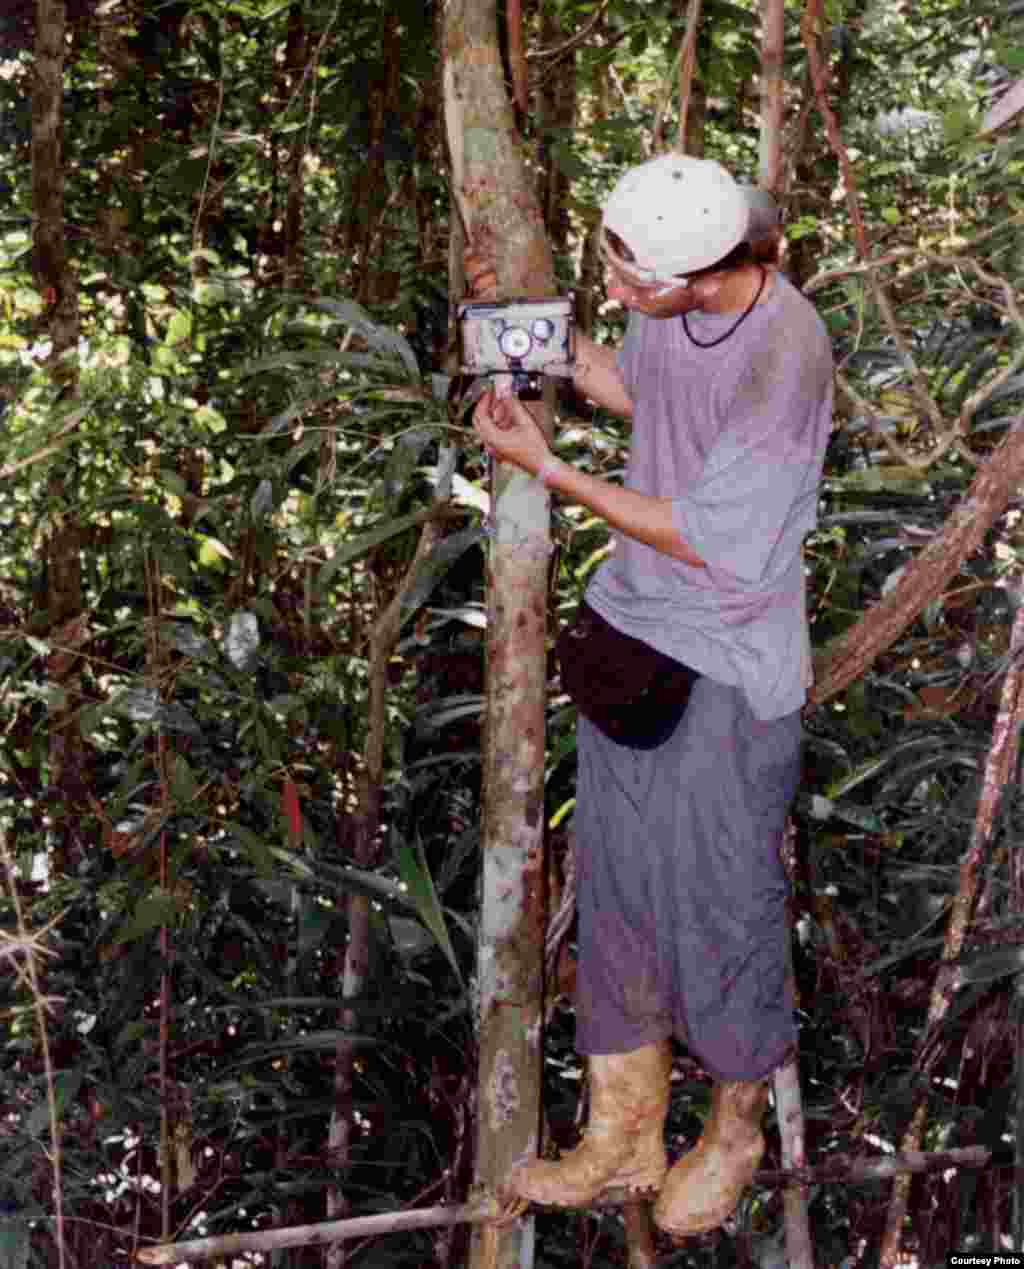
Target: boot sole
609,1196
691,1231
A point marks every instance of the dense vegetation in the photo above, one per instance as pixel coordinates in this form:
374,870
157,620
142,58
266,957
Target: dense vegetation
228,422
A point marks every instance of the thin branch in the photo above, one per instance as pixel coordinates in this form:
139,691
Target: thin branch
687,72
683,65
840,1170
77,416
901,254
790,1114
319,1234
1001,762
928,574
1009,105
29,947
383,640
810,27
561,50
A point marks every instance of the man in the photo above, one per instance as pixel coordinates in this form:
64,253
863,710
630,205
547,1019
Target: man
726,375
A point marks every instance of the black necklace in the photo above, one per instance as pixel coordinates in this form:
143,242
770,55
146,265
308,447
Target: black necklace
738,322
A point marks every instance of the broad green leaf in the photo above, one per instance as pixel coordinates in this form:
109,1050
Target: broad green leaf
213,552
183,783
242,640
262,502
364,544
419,884
958,122
150,913
254,846
179,329
212,420
403,461
140,704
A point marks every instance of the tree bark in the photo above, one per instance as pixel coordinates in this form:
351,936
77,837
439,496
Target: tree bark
495,191
692,102
773,13
55,282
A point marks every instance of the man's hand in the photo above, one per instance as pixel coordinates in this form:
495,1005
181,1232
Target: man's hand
509,431
481,273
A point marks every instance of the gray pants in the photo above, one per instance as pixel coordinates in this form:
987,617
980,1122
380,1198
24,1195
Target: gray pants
680,888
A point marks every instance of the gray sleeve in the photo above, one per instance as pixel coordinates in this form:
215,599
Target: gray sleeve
756,497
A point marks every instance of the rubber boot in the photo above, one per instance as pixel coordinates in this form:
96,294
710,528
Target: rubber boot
703,1188
624,1144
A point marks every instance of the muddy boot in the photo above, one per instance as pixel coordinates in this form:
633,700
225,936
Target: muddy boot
624,1145
705,1185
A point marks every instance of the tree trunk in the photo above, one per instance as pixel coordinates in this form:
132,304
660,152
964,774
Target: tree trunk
557,108
56,284
692,94
773,14
495,191
296,53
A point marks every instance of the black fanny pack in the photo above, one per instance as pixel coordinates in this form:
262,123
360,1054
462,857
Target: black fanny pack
635,694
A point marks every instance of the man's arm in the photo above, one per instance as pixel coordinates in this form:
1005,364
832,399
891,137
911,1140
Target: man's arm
638,515
509,431
597,377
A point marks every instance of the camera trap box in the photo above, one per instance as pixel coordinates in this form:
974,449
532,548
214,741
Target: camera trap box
517,337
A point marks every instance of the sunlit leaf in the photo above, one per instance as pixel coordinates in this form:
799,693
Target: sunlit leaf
242,640
419,884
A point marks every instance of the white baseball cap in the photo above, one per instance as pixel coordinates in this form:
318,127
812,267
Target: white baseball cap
676,214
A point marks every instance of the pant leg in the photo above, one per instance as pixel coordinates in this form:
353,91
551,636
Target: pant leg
623,999
724,912
681,890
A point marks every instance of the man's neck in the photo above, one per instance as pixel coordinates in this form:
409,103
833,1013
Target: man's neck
738,289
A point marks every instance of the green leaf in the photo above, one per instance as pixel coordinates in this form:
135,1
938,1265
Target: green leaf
213,553
182,781
150,913
986,966
802,228
253,845
179,329
211,420
958,122
419,885
364,545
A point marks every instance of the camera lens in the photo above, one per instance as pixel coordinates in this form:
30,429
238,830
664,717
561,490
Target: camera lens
515,342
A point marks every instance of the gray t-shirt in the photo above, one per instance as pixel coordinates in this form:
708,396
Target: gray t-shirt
735,435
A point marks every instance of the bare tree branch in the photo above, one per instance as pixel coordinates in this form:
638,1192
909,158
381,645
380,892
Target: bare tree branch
1001,762
927,575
